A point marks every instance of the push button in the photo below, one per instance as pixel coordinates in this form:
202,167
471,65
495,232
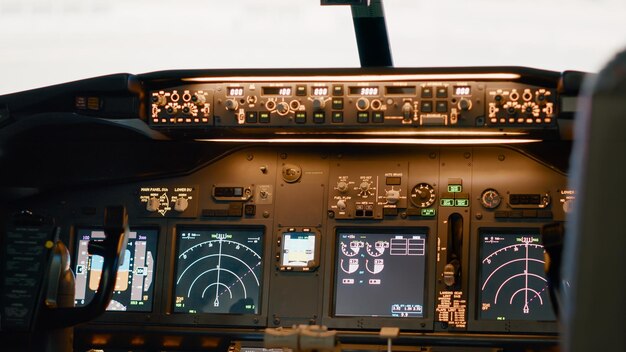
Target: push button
300,117
337,117
319,117
264,117
427,106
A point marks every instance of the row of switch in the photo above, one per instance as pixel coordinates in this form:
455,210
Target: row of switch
300,117
521,120
338,91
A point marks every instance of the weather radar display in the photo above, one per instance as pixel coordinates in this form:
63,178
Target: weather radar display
218,270
513,283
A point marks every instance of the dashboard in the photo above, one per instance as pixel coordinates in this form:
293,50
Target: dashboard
352,199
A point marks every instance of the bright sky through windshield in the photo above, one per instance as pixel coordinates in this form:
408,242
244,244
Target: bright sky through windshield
54,41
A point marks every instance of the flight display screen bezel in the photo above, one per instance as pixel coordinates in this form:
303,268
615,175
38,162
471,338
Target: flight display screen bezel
339,318
475,321
152,247
226,230
313,246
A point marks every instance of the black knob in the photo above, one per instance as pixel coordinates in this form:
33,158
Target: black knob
464,104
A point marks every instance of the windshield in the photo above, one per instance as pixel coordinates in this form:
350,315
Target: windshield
53,41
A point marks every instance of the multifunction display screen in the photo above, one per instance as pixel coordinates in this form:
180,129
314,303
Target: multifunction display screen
134,285
513,283
299,250
380,274
218,270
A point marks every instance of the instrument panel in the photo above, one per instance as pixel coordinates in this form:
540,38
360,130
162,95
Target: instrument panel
354,200
439,241
396,101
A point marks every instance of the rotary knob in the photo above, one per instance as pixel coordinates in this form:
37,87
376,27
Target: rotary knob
364,188
181,204
342,186
171,110
362,104
160,99
198,99
231,104
318,104
393,196
153,204
282,108
341,204
465,105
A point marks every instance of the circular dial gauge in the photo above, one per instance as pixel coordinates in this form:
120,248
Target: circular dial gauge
423,195
377,249
352,249
490,198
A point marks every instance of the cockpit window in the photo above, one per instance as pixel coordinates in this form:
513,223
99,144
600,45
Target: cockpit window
46,42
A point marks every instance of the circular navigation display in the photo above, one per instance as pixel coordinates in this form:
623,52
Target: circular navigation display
218,271
513,284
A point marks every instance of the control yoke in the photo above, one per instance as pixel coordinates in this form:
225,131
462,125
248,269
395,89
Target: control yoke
111,249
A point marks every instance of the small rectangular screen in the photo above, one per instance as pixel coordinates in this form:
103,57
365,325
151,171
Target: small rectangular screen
380,274
135,277
298,249
319,91
513,283
284,91
234,91
462,90
367,91
218,270
397,90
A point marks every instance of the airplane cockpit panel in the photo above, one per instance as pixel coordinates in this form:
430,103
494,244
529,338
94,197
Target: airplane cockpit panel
286,209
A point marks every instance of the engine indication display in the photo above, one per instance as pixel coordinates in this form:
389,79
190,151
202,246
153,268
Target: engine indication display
218,270
513,284
380,274
135,277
